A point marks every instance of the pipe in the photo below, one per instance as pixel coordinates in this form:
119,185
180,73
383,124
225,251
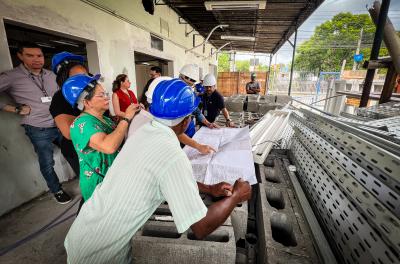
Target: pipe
291,68
209,35
390,37
375,52
267,84
217,50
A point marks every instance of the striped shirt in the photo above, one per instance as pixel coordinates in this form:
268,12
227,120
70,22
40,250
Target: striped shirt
150,169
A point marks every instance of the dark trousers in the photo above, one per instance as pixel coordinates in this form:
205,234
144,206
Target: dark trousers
72,159
42,140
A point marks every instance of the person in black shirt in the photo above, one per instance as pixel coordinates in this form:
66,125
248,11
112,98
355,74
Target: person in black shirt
155,72
213,102
65,65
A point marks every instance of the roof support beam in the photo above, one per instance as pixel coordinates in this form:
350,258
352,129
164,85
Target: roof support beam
186,32
292,66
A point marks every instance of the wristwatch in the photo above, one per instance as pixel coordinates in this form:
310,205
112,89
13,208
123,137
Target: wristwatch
18,109
228,120
126,119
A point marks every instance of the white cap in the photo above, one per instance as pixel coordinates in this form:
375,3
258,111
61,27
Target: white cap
191,71
152,86
209,80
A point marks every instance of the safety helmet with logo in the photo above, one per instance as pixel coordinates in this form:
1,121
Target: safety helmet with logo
209,80
75,88
191,71
152,86
64,58
172,101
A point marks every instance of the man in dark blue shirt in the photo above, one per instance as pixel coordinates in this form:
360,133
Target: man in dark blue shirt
213,102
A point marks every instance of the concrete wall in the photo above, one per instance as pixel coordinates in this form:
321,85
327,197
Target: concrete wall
111,43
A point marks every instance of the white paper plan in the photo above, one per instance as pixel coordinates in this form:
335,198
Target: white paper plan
233,158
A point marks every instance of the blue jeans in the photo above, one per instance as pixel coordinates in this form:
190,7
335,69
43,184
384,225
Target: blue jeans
42,140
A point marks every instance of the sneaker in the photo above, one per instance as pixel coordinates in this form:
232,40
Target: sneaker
62,197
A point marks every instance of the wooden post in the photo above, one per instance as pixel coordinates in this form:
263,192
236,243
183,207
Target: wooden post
390,83
237,82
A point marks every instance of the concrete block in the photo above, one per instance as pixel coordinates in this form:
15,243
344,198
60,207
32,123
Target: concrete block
271,174
265,107
239,217
268,99
159,243
163,211
284,236
234,105
283,99
253,97
252,106
236,114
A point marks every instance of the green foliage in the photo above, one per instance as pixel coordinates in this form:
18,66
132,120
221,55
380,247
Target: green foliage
261,68
334,41
223,62
243,66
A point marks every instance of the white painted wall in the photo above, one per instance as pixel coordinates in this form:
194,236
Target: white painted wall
111,43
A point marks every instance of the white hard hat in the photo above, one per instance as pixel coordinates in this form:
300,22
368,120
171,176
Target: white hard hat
209,80
152,86
191,71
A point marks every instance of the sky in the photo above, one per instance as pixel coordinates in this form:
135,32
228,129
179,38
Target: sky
326,11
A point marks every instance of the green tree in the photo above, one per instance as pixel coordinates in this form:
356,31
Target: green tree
334,41
243,66
223,62
262,67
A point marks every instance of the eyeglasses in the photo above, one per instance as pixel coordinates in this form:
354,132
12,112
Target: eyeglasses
103,95
189,79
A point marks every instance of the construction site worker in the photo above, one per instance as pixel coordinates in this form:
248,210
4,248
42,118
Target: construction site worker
190,75
253,87
96,138
216,190
122,96
136,185
32,88
213,101
64,65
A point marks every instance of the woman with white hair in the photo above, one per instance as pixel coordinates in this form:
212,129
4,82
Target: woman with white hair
96,138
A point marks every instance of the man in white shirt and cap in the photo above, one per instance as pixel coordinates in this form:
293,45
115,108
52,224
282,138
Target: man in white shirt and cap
216,190
150,169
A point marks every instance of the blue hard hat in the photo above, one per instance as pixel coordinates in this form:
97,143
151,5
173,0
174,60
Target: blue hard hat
173,99
64,57
75,85
200,88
